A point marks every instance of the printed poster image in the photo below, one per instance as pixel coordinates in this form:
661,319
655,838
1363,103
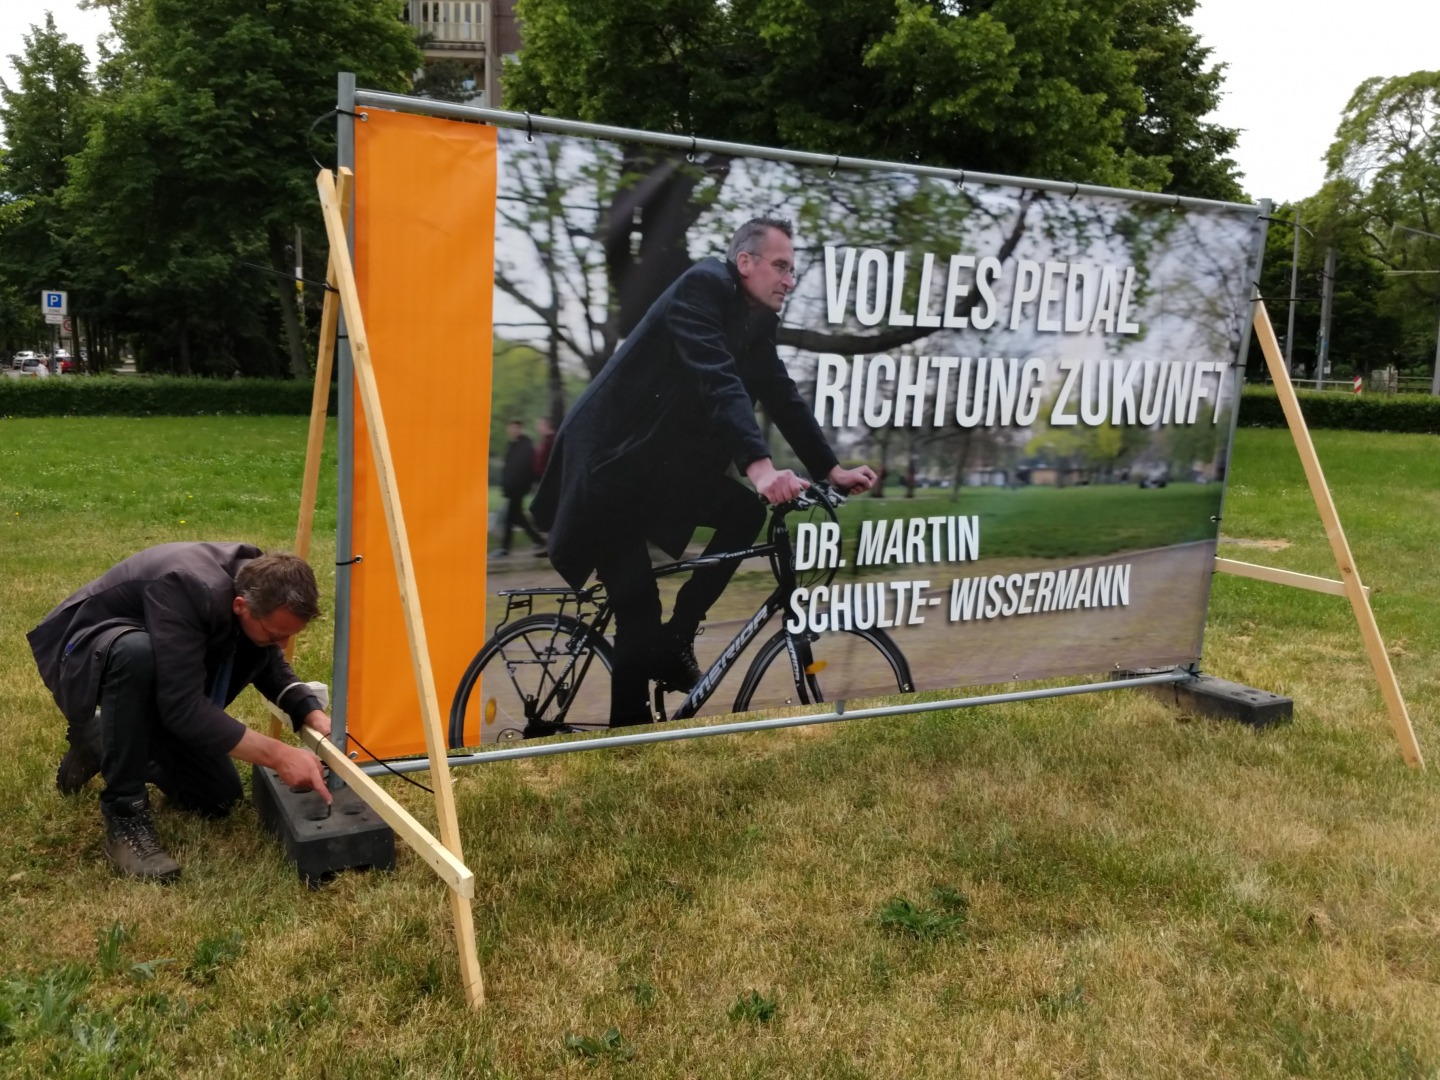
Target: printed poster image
1045,386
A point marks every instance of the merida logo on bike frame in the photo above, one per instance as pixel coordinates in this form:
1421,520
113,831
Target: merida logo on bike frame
719,667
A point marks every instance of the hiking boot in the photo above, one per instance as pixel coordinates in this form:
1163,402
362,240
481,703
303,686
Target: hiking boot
673,661
82,760
131,844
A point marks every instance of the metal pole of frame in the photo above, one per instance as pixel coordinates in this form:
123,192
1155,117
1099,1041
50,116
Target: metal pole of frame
345,450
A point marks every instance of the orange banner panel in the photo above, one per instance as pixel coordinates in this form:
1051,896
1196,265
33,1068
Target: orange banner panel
424,264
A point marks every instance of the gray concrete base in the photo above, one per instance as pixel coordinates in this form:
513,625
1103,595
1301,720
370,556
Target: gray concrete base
350,836
1205,695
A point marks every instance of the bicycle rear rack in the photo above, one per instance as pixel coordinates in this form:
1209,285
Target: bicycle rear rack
520,603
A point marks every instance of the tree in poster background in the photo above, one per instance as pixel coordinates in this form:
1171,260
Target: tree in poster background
547,261
567,205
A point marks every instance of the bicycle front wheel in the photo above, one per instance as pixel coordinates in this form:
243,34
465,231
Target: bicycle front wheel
794,669
531,676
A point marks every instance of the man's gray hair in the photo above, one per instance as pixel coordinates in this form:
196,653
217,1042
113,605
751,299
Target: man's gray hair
280,580
750,237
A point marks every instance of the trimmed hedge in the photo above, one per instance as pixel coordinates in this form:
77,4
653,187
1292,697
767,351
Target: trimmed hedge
125,395
1412,413
74,395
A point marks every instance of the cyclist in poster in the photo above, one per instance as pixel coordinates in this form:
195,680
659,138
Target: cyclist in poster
642,456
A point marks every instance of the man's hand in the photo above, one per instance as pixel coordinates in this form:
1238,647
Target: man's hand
298,768
318,722
854,481
774,485
301,769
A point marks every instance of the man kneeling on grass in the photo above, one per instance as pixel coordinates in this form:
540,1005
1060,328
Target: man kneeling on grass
162,643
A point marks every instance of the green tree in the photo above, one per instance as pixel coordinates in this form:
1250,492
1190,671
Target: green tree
1364,333
45,118
1180,88
1383,188
202,157
1108,92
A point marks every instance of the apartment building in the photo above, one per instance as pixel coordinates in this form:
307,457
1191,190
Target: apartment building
464,42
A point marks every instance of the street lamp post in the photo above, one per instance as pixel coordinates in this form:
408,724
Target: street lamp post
1294,286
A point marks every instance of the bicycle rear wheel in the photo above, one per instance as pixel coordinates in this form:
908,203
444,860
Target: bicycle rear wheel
794,669
533,675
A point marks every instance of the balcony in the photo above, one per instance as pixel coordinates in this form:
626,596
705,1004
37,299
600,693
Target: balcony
450,26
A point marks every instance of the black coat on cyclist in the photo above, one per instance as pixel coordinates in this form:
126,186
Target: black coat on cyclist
671,409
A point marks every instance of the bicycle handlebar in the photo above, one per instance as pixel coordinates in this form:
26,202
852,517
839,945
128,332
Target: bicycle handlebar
820,492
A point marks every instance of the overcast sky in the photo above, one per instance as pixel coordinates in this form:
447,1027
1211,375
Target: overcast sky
1292,65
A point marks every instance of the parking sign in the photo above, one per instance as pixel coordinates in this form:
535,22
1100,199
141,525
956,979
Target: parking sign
53,302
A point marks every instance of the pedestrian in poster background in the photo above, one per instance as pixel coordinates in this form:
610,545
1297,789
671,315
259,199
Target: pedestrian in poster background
516,479
545,431
642,456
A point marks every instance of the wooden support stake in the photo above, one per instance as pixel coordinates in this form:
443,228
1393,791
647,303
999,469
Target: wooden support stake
1283,577
455,873
320,399
319,402
435,743
1339,546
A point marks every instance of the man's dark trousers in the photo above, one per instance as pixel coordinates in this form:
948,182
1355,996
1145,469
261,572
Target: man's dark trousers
515,515
736,514
136,747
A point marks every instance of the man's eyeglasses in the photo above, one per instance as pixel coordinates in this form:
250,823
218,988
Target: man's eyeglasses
783,267
273,636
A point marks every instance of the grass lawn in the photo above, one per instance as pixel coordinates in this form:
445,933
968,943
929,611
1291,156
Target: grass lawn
1040,522
1090,887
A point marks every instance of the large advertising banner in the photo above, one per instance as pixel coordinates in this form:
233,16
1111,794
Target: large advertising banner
1044,388
1037,390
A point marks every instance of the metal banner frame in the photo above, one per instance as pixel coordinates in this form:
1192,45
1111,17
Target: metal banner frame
342,302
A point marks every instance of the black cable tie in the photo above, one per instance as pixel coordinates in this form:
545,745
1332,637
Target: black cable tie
690,156
386,765
529,129
337,111
1074,190
352,562
310,131
834,166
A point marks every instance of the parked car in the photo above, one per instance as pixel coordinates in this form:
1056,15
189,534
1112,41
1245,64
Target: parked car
64,362
28,365
22,358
